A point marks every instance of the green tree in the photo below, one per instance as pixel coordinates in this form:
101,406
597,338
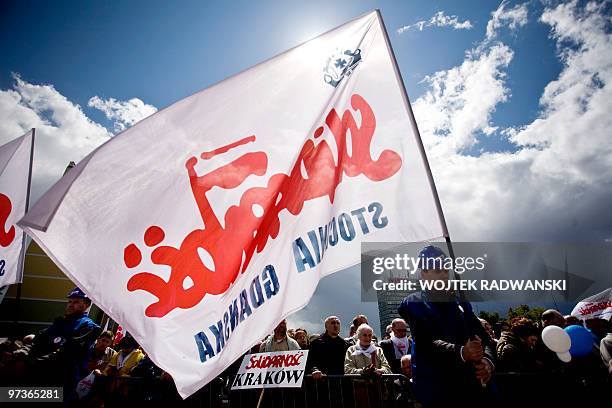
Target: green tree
524,311
492,317
535,313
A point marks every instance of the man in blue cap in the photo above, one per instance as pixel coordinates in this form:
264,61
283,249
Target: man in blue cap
58,350
452,358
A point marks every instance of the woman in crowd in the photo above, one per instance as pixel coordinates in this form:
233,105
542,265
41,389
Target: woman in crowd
515,347
365,357
301,336
100,353
123,362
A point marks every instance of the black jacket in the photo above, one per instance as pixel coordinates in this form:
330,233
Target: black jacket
327,354
389,350
513,355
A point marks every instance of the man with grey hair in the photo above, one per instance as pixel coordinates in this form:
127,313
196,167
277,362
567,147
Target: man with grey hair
326,355
279,341
358,321
406,365
397,346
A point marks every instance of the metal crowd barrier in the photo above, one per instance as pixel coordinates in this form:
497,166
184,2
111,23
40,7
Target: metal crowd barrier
389,390
344,391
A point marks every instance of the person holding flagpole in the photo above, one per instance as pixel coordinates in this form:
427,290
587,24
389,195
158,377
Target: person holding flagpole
58,351
452,355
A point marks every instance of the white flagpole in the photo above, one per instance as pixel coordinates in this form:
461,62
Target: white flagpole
415,128
23,240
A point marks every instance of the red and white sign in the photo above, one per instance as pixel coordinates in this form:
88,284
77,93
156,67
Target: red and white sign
597,306
280,369
204,225
119,334
15,160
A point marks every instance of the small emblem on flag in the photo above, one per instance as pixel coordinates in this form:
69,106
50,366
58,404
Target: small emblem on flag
341,64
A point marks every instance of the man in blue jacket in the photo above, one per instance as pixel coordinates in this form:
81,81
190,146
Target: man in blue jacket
452,356
58,350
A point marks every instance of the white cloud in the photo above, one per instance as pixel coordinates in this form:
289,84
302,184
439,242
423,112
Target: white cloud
489,130
558,183
438,20
512,18
573,133
460,101
123,113
63,132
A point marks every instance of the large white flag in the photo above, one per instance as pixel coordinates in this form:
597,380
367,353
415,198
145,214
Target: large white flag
15,168
205,224
597,306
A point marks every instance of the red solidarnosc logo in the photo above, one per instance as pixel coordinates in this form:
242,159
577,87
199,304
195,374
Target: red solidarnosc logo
245,232
6,236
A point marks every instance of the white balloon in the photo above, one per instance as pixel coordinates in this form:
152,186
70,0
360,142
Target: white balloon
565,357
556,339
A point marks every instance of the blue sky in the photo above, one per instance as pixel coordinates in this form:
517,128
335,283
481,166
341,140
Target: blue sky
494,86
160,51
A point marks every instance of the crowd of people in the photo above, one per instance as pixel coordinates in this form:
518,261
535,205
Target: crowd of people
444,352
76,354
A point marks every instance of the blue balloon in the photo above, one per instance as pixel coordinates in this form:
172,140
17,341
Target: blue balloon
582,340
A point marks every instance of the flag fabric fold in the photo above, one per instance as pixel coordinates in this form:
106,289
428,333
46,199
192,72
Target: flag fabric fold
204,225
15,168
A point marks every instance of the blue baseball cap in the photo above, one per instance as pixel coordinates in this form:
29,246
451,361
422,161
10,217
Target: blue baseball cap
428,253
77,293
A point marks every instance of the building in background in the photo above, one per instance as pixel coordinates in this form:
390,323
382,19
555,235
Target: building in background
388,302
42,297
